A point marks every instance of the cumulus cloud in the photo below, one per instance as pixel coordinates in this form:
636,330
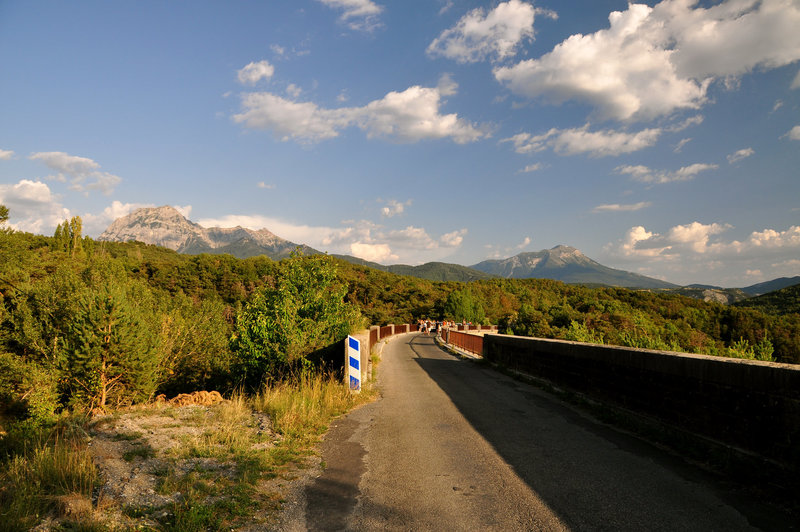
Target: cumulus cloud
407,116
646,175
267,186
359,15
699,252
82,173
794,133
738,155
479,34
580,140
394,208
254,72
616,207
5,155
651,61
32,206
372,252
697,239
696,235
363,239
453,239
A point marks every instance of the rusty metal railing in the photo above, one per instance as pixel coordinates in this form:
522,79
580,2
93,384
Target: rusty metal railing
468,342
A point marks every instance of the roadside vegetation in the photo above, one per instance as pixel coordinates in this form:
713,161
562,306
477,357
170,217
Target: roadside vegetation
90,331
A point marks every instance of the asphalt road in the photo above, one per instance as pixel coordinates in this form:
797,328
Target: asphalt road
452,445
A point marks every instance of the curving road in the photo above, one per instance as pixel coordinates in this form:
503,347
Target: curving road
452,445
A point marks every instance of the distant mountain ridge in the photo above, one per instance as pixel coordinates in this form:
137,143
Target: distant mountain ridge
166,227
771,286
567,264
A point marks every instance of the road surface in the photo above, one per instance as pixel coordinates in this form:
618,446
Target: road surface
453,445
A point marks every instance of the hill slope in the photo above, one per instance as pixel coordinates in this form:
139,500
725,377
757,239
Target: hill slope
783,301
771,286
567,264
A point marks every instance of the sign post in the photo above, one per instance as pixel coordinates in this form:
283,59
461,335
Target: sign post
352,360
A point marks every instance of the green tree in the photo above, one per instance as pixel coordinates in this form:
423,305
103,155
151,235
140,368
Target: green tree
67,236
111,345
461,305
301,310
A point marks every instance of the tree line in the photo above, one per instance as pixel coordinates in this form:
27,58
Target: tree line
86,324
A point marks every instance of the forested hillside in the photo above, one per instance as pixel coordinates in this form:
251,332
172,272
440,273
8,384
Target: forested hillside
783,301
90,324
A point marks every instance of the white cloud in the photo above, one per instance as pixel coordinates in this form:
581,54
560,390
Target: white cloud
32,207
293,91
394,208
359,15
253,72
479,35
83,173
616,207
525,243
687,123
696,235
262,184
580,140
94,224
407,116
185,210
64,163
738,155
772,239
794,133
6,155
453,239
698,252
446,7
681,144
364,239
647,175
778,104
372,252
535,167
651,61
695,239
796,82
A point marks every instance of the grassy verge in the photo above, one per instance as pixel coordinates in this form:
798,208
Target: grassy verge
43,471
221,488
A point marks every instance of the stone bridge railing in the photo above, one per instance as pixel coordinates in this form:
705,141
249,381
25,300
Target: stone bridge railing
747,412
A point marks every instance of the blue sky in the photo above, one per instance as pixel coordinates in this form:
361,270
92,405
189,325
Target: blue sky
659,137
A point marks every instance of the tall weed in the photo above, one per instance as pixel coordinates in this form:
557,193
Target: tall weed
39,466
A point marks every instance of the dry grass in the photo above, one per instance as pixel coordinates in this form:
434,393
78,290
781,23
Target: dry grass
47,468
252,438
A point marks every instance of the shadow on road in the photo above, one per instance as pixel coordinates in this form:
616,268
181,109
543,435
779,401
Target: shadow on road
591,475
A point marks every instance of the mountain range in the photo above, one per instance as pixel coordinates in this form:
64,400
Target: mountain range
166,227
565,263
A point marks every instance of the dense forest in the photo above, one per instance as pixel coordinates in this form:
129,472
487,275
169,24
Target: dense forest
87,324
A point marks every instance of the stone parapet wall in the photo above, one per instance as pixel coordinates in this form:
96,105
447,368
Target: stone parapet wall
753,406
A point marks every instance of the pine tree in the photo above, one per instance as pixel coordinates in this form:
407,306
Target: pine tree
111,347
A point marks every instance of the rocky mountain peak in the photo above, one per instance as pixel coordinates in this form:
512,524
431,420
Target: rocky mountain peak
165,226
